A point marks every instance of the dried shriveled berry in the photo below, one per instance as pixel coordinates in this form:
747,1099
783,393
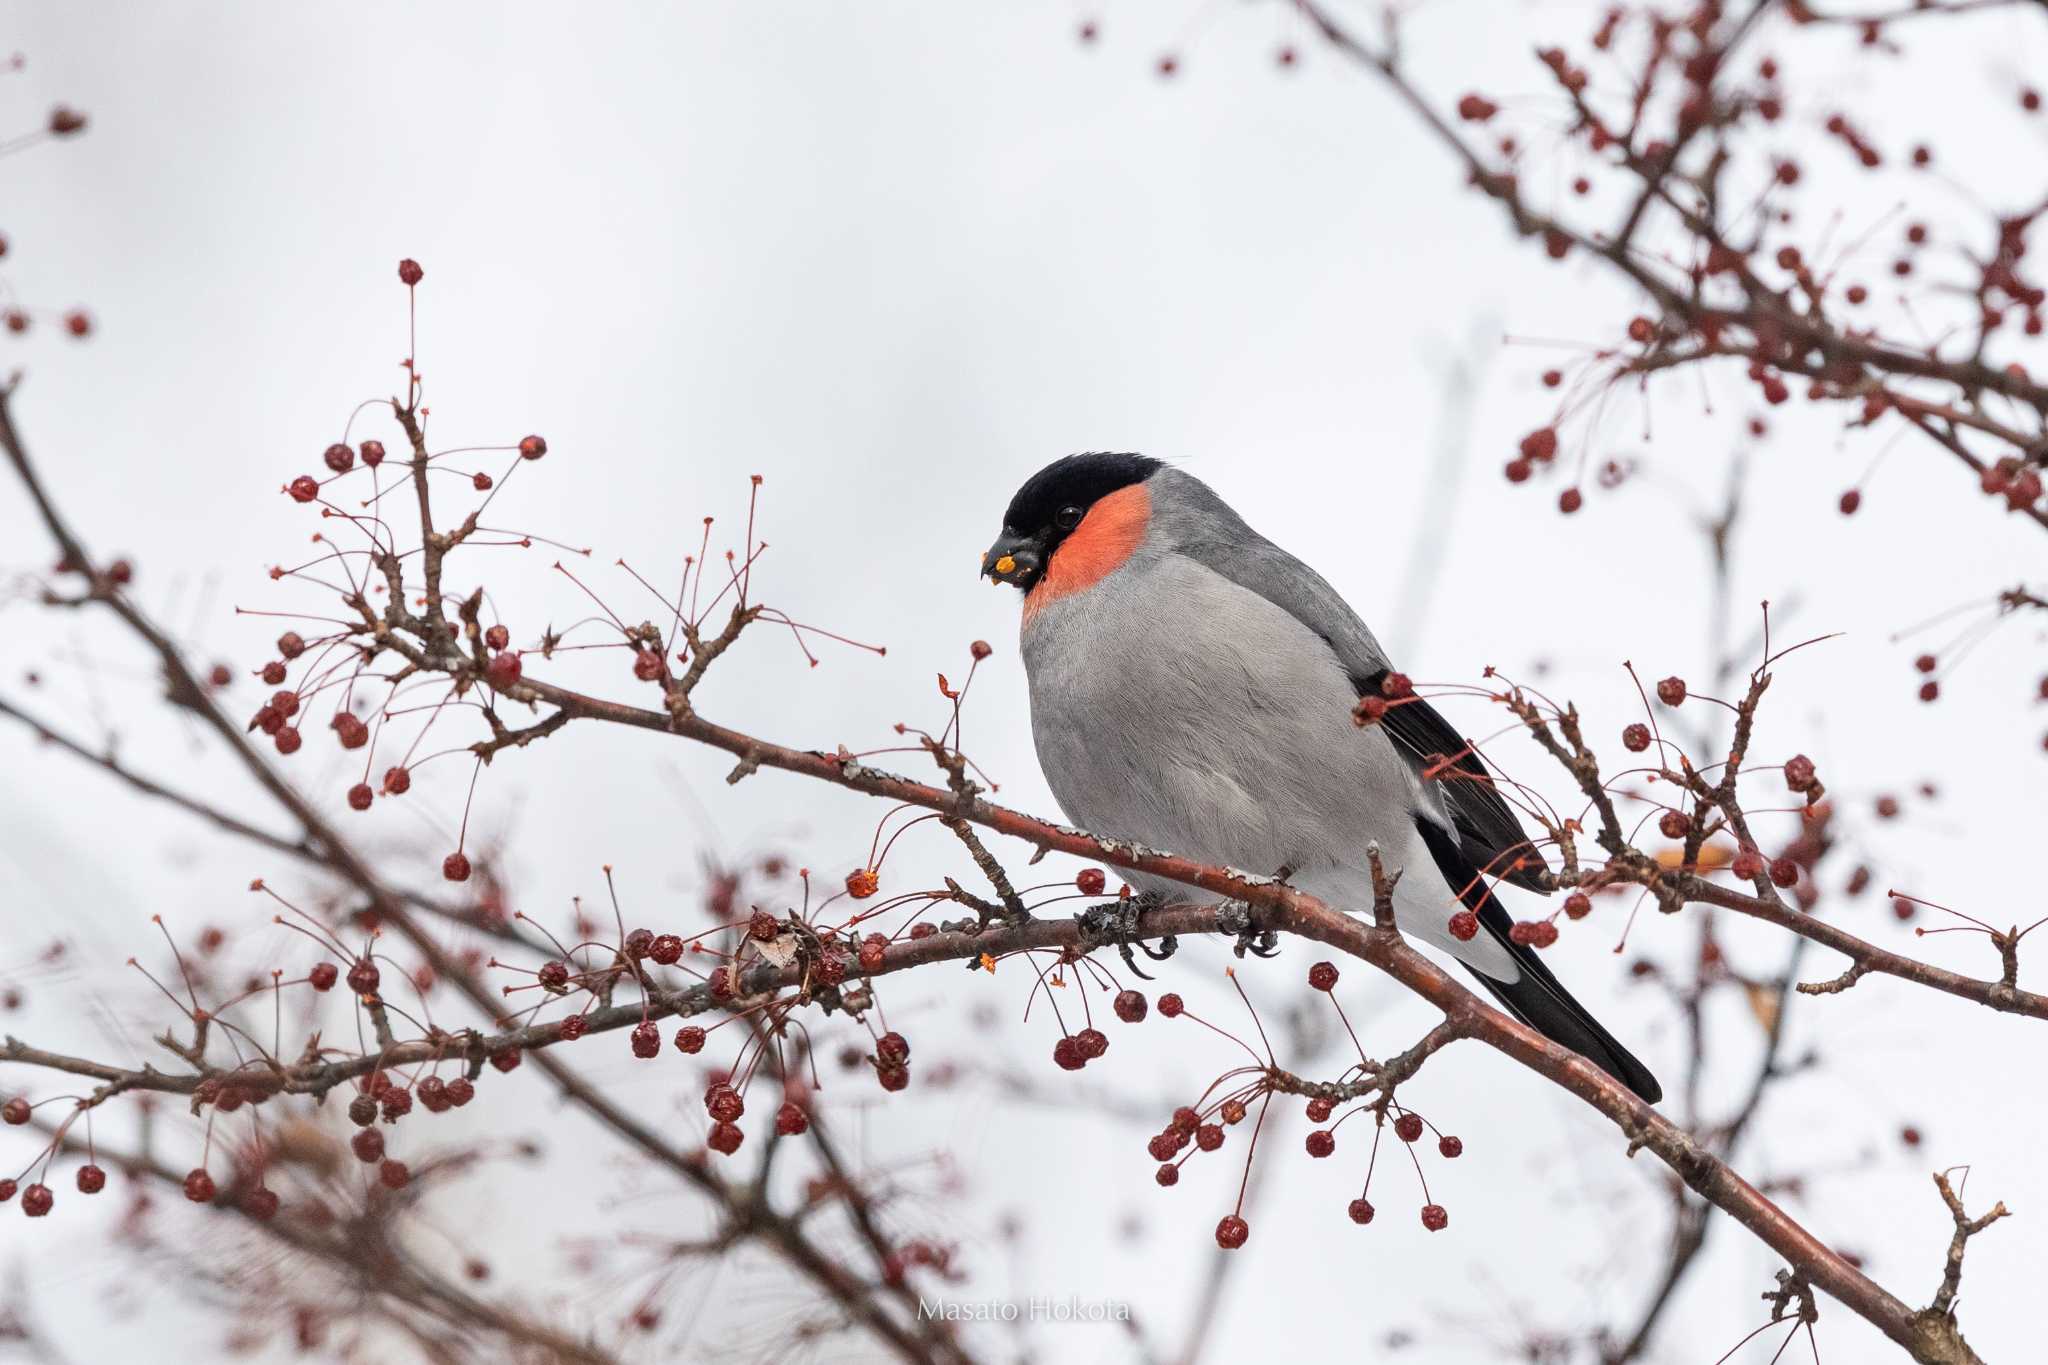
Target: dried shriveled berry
690,1039
393,1175
323,976
1671,691
1784,872
360,796
304,488
36,1200
1408,1127
91,1179
1636,738
724,1138
339,457
1093,1042
1232,1232
791,1120
1435,1218
1578,905
646,1040
863,882
409,272
1130,1006
893,1048
1170,1005
1321,1143
368,1145
1464,926
1067,1055
363,977
1360,1211
1167,1175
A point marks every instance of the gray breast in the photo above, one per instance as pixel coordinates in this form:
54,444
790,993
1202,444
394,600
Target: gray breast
1172,706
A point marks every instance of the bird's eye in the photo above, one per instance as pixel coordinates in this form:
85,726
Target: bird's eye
1067,518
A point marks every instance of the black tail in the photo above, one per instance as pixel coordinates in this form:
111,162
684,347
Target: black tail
1539,999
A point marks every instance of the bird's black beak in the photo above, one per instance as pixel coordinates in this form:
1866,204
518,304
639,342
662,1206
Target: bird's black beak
1015,559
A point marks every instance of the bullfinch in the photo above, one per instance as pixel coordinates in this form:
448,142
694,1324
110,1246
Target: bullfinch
1193,688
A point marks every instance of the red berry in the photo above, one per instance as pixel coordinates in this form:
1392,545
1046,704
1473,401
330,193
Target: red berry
1673,824
1232,1232
480,481
199,1186
362,1111
874,951
893,1048
339,458
1434,1218
503,670
1164,1145
1451,1148
397,781
1671,691
1570,501
497,637
690,1039
91,1179
16,1111
1320,1108
7,1188
1784,872
1799,775
572,1027
1093,1042
323,976
1209,1137
363,977
360,796
1636,738
1130,1006
260,1204
35,1200
721,983
1369,711
65,121
1321,1143
373,453
893,1078
507,1060
1578,905
1395,686
1408,1127
666,949
1929,690
273,673
291,644
1851,500
863,882
460,1091
532,447
397,1103
1323,976
1464,926
288,739
1167,1175
1067,1055
1748,865
790,1119
724,1104
393,1175
762,926
455,867
725,1138
1090,882
646,1040
368,1145
304,488
409,272
1361,1211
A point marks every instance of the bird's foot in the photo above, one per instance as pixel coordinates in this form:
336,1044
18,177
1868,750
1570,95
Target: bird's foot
1116,923
1235,917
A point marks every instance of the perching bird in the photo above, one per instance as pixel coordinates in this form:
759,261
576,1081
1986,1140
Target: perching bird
1192,688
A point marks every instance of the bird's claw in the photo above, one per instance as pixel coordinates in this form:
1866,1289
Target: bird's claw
1116,922
1235,917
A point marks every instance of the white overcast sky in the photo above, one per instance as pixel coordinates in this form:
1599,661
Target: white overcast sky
893,257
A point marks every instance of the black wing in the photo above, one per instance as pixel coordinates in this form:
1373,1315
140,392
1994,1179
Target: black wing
1489,835
1539,999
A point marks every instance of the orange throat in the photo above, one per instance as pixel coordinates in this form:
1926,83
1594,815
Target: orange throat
1097,548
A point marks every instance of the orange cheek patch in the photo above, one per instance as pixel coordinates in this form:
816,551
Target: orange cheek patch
1097,548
